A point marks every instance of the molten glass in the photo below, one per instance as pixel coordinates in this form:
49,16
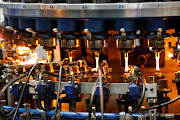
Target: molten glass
157,56
126,61
23,50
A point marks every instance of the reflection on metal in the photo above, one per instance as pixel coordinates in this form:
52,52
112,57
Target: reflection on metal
110,10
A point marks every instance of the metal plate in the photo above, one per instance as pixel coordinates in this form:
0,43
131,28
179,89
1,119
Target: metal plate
86,87
91,10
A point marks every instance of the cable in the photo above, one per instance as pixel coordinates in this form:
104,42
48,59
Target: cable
163,104
92,97
143,95
101,94
22,93
39,95
54,75
59,88
10,83
4,89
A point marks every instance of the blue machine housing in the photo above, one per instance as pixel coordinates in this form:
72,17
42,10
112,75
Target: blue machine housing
71,91
134,91
16,92
105,91
47,92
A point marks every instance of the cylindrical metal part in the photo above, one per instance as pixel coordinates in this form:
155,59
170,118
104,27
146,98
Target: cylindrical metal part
13,22
125,45
44,24
94,25
128,24
154,24
68,25
26,23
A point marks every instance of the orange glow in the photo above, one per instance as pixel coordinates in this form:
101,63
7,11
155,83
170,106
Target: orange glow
134,43
23,50
148,42
126,61
54,41
170,55
97,60
37,42
117,43
70,57
32,60
104,43
87,43
157,56
77,43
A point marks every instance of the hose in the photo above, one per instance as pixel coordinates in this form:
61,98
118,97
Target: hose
143,95
101,95
92,97
54,75
39,95
4,89
22,93
163,104
59,88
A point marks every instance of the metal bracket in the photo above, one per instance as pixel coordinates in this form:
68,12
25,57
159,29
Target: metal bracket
122,115
152,114
43,115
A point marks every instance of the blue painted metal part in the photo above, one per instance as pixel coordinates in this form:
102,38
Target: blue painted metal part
18,118
70,36
105,92
152,36
44,24
75,115
128,24
129,36
26,23
94,25
134,91
44,91
154,24
68,25
13,22
97,37
15,90
70,90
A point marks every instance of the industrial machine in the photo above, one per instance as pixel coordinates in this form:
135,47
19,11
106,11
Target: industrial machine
89,59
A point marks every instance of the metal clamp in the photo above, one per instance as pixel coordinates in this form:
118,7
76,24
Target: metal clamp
26,115
152,114
93,117
122,115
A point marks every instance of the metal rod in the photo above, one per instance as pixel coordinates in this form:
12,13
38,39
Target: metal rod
74,115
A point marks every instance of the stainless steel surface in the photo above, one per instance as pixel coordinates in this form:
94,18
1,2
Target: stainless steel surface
122,115
152,114
151,90
119,88
167,115
86,87
91,10
1,17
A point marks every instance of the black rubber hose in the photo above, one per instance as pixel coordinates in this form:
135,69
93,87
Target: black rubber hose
5,88
92,97
163,104
101,94
22,93
39,95
143,95
59,88
54,75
